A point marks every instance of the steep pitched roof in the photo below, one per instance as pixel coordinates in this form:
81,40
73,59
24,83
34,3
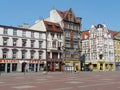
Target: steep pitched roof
85,33
62,13
113,32
53,27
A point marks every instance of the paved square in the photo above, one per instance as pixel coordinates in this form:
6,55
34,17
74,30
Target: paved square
61,81
23,87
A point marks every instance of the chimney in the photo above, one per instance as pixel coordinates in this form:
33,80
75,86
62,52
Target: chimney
25,26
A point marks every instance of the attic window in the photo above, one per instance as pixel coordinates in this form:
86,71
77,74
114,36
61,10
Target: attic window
49,26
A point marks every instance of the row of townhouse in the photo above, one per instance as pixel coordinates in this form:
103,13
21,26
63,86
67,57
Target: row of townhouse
101,48
64,28
53,42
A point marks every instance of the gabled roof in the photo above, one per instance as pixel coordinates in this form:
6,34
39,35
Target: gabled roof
66,15
113,33
62,14
117,36
53,27
85,33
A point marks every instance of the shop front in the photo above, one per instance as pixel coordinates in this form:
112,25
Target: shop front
8,65
21,65
55,65
117,64
102,66
72,65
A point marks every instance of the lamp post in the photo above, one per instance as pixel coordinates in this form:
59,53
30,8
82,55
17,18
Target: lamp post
0,69
64,56
80,50
46,55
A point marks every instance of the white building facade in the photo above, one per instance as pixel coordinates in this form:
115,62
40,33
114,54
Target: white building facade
54,35
21,49
98,51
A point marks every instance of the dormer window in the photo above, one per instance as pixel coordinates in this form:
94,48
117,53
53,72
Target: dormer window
57,28
49,26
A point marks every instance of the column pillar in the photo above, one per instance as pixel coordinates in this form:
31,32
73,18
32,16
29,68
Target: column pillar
19,66
114,66
6,67
34,66
104,66
98,66
10,67
38,67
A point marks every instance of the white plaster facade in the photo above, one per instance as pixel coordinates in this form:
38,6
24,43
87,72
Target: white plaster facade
11,48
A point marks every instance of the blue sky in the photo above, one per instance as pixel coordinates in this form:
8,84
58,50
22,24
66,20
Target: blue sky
93,12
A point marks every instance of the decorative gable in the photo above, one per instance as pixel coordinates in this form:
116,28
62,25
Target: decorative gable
68,15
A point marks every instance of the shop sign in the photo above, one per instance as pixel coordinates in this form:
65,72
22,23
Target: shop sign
8,61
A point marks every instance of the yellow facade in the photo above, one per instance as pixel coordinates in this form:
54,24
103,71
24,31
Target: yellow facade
102,66
117,49
76,64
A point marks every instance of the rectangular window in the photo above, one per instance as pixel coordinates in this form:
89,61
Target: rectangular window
4,54
14,55
23,55
55,55
67,34
14,32
40,55
54,44
5,31
32,43
5,42
14,42
52,35
49,26
57,28
40,35
40,44
32,55
24,42
59,36
24,33
32,34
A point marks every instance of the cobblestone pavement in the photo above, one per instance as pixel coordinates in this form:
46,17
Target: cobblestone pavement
61,81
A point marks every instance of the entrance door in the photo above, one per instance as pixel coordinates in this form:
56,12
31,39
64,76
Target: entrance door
23,66
101,66
8,67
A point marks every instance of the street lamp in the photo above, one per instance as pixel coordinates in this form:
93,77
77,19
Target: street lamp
64,56
0,69
46,54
